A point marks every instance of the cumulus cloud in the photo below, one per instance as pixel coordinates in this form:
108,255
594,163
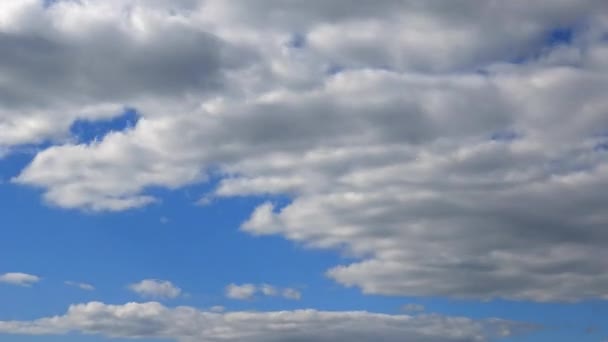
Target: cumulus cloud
244,291
248,291
186,324
99,56
462,154
19,279
154,288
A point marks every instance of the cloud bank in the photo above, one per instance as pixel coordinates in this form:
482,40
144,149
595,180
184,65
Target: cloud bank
185,324
452,149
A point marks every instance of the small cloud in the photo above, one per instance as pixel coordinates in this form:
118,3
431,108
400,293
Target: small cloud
154,288
293,294
242,292
19,279
164,220
268,290
248,291
217,309
82,286
205,200
413,308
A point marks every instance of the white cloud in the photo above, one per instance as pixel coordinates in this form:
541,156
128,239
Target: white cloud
291,294
244,291
185,324
19,279
268,290
82,286
427,156
153,288
248,291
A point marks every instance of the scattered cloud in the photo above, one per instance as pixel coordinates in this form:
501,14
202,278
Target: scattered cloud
291,294
186,324
19,279
248,291
268,290
153,288
245,291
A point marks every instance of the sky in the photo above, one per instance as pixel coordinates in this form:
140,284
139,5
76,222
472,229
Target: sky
303,170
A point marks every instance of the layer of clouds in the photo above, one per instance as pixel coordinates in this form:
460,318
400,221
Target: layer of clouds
185,324
449,148
154,288
248,291
19,279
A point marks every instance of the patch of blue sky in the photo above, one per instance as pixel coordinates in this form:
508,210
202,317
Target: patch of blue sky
601,146
505,136
86,131
558,36
297,41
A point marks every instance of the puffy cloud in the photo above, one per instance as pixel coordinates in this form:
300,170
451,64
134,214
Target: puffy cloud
185,324
88,59
460,154
245,291
153,288
248,291
82,286
19,279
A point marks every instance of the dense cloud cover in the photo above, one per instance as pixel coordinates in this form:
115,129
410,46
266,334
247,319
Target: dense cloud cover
454,148
184,324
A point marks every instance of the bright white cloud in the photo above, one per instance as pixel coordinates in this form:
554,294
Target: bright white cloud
154,288
185,324
19,279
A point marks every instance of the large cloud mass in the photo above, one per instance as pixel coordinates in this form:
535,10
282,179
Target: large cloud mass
185,324
455,148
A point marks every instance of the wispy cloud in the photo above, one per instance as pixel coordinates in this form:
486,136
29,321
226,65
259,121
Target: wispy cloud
248,291
82,286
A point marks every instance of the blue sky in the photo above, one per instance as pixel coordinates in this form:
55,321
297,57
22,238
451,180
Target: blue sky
189,171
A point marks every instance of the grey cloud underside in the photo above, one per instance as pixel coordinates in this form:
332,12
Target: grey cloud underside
441,167
87,60
185,324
